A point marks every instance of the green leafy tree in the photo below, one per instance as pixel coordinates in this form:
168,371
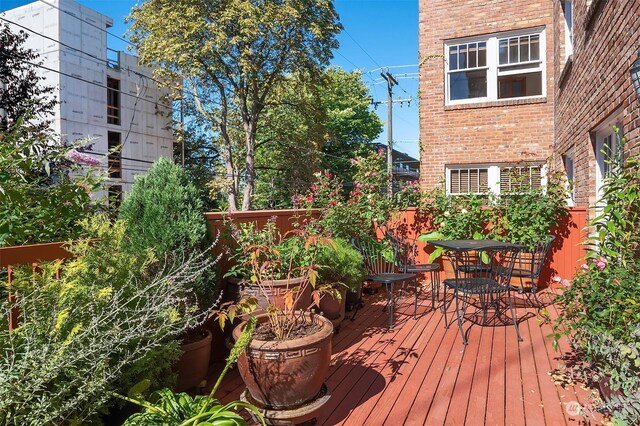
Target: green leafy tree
230,56
325,121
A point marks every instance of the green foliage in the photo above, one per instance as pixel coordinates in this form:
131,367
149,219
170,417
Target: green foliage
106,318
527,215
340,263
368,206
602,305
617,225
231,56
163,212
169,409
44,188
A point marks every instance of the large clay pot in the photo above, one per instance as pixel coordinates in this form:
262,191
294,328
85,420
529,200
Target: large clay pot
523,262
332,308
286,374
276,290
193,364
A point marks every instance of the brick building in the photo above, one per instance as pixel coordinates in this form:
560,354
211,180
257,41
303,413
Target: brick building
526,84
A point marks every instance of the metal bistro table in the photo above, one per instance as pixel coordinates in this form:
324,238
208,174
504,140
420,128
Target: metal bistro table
482,270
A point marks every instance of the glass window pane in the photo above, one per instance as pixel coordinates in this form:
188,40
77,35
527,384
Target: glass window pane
503,53
520,85
468,85
524,49
513,50
534,47
473,55
453,58
482,54
462,56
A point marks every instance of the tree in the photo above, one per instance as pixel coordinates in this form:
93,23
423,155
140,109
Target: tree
230,56
22,95
324,122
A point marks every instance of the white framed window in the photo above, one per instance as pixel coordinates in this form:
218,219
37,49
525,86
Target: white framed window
495,178
568,159
606,150
501,66
567,9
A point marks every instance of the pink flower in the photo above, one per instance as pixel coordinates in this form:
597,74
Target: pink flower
556,279
566,283
354,161
357,184
328,174
380,151
81,158
310,198
601,263
617,281
584,267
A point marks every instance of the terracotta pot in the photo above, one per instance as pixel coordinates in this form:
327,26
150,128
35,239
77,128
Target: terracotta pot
523,261
286,374
193,365
276,289
447,265
605,389
332,308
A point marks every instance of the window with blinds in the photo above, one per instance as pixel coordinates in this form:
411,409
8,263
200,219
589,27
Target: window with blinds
515,179
469,181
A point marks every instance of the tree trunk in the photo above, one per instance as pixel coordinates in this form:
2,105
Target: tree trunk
230,178
249,184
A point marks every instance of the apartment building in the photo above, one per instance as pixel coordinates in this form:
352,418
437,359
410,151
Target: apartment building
598,41
104,95
525,86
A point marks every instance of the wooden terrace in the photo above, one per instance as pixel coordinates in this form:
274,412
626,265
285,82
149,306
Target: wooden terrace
421,374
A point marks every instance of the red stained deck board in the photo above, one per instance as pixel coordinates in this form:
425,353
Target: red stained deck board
420,374
398,370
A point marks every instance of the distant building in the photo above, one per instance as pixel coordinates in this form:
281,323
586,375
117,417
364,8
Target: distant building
103,94
405,167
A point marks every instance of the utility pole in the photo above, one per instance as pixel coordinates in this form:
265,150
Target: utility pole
391,81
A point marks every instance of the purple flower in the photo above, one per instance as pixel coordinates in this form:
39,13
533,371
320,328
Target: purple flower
82,158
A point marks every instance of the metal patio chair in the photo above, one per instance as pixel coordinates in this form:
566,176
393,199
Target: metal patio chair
381,264
481,279
409,264
528,266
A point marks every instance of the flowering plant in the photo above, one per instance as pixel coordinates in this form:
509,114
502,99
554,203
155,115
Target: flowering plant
367,206
454,217
602,305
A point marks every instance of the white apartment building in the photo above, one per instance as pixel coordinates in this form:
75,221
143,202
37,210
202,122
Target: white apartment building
103,94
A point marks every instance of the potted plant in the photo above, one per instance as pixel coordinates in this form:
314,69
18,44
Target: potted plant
454,217
340,266
164,214
168,408
286,362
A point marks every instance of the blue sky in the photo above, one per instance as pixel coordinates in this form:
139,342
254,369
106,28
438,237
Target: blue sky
378,33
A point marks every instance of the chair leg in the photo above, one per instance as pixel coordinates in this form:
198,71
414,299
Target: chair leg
460,316
444,308
514,318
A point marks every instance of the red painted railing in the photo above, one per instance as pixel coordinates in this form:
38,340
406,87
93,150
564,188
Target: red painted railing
566,252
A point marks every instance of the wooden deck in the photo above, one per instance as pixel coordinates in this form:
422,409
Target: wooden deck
421,374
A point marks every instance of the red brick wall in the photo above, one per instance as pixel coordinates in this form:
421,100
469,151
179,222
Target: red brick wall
597,84
504,131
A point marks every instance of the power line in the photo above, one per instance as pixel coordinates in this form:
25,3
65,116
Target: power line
87,22
362,48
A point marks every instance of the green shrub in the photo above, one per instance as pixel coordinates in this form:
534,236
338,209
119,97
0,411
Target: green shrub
107,318
164,213
340,264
